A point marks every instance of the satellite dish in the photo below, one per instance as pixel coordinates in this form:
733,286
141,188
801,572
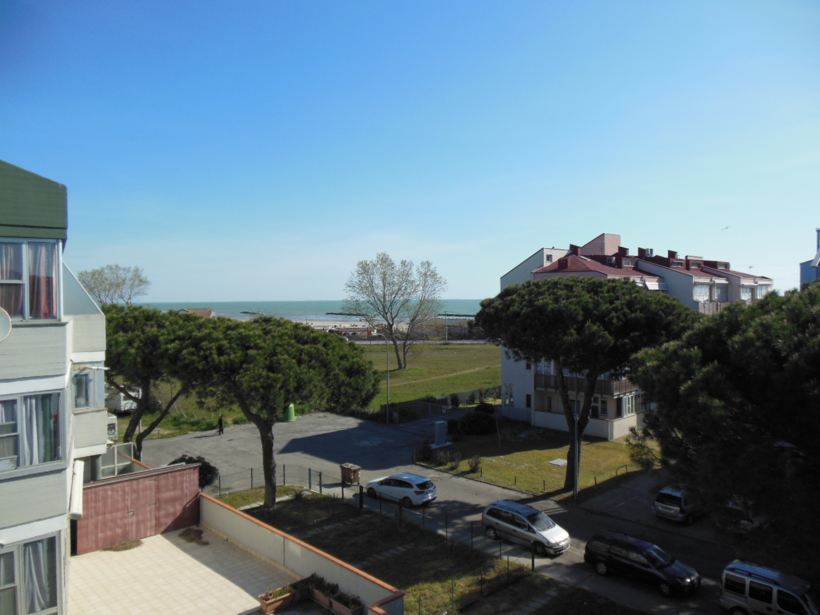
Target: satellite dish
5,324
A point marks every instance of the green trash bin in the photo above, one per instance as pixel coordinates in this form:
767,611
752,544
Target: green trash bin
290,415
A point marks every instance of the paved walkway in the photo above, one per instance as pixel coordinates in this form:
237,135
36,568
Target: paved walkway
175,576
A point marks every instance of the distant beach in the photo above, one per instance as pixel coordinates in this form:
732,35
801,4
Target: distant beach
309,312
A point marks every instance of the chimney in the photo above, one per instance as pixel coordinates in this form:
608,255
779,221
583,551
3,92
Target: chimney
576,250
672,254
641,252
625,251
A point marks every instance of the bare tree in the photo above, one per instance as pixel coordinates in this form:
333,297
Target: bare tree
114,284
396,299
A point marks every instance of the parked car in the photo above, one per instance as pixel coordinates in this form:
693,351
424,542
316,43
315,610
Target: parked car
674,504
526,526
409,489
748,588
622,554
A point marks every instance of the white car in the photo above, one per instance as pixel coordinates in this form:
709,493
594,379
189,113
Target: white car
409,489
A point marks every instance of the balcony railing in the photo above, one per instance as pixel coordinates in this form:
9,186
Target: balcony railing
602,387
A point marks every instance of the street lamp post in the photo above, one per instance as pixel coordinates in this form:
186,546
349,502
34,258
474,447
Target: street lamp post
576,415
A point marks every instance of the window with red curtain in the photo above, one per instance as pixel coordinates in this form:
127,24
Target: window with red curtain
28,279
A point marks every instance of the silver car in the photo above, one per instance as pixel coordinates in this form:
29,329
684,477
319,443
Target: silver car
409,489
526,526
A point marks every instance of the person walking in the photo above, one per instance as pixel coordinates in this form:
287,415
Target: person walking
220,426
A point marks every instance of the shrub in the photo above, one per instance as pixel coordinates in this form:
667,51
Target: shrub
455,461
485,408
430,399
207,472
482,395
452,427
425,452
478,424
442,458
455,402
239,420
471,398
474,463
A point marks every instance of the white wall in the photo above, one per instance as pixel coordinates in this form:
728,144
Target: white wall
295,555
680,285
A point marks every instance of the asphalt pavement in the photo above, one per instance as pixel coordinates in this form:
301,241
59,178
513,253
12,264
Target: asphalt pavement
324,441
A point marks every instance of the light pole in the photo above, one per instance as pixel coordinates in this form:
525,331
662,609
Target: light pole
576,415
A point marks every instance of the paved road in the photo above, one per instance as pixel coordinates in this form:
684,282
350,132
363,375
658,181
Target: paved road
323,441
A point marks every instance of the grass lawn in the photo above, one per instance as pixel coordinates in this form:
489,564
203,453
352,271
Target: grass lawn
520,458
435,369
431,570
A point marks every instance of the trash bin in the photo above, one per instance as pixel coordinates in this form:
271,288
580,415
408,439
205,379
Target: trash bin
350,473
290,414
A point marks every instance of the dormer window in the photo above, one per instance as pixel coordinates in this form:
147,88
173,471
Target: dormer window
628,262
677,263
28,279
695,265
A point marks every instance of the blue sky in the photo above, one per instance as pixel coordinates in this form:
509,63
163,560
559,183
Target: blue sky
256,150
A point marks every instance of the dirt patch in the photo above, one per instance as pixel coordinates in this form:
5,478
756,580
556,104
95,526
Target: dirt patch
193,535
125,546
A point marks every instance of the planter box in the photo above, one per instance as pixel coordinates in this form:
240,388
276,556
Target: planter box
341,609
320,599
270,605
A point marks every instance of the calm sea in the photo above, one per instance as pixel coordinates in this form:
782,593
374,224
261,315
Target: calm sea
302,311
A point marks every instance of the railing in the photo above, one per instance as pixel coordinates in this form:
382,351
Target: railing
602,387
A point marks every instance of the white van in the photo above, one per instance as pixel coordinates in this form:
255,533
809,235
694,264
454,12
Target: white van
747,588
526,526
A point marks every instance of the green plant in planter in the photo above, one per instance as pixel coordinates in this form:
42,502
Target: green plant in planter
328,589
306,583
278,593
348,601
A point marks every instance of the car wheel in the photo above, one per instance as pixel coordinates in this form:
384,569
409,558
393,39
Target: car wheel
601,568
371,493
666,588
690,519
540,549
491,533
407,502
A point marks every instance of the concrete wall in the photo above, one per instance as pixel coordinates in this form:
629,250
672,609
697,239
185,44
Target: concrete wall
34,351
523,271
298,556
31,498
680,285
89,333
90,427
597,428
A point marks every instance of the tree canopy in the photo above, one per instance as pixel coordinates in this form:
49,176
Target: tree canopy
114,284
143,348
586,325
396,299
265,364
738,406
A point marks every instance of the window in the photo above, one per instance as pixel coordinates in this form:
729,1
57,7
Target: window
28,578
28,279
746,293
602,409
734,585
593,409
625,406
80,385
762,291
789,603
677,263
548,258
701,293
30,430
549,404
721,294
760,592
638,558
529,400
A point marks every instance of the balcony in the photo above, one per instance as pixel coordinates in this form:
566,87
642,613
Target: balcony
602,387
710,307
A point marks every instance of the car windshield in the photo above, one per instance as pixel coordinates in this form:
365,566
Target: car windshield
668,499
659,557
813,600
541,522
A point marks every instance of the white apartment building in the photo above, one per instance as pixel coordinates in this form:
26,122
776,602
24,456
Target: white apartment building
53,423
529,391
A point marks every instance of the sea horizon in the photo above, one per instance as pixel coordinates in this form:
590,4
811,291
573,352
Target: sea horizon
300,311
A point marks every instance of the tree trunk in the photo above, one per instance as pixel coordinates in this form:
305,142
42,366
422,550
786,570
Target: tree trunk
154,424
574,462
401,364
265,428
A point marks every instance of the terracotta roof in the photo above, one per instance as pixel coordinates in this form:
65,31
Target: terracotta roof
575,264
